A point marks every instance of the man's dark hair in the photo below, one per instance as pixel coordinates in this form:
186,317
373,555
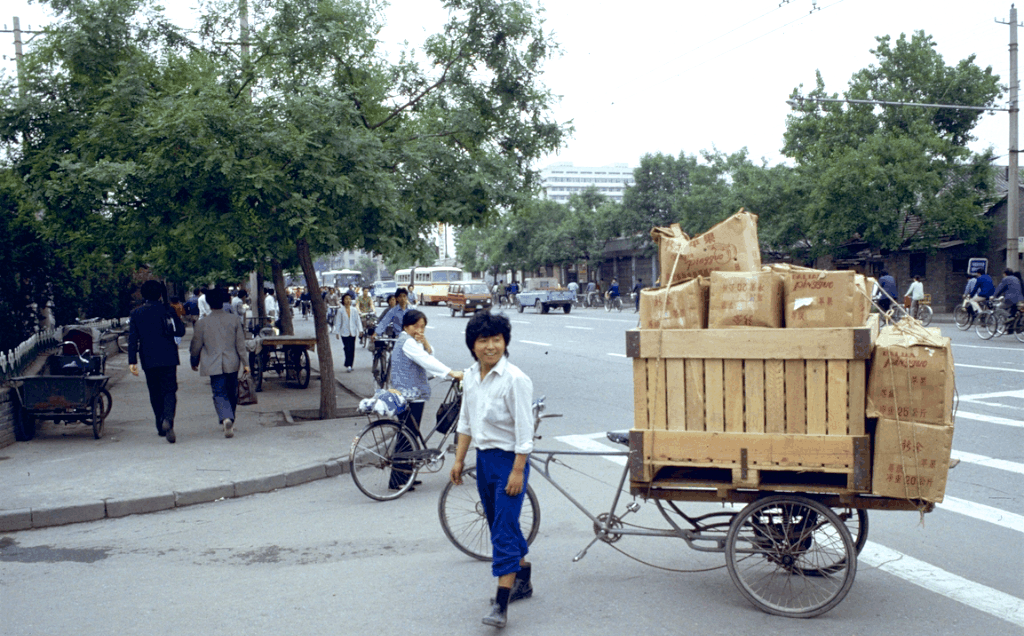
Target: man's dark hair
242,293
153,290
484,324
885,273
401,291
412,317
217,297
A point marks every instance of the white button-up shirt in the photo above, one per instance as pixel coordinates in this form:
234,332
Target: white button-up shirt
497,412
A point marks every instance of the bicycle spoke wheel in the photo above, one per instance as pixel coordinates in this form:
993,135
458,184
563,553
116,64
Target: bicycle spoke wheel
791,556
465,524
962,318
372,462
982,326
106,403
924,314
380,364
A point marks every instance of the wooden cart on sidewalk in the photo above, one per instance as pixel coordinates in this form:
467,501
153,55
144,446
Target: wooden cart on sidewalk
286,355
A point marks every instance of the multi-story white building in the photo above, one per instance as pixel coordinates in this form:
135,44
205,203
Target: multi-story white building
560,180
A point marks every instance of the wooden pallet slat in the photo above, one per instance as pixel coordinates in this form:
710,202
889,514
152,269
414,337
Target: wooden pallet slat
714,395
734,395
817,406
754,395
838,389
675,377
775,396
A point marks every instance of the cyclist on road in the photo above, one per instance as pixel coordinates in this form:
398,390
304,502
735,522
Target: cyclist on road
1010,289
393,317
983,290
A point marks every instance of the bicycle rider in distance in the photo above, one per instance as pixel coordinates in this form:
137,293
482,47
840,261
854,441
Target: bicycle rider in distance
496,418
393,317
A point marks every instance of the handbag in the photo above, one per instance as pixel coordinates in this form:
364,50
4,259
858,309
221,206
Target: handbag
246,390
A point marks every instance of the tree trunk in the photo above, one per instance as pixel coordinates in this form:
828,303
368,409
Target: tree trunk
287,328
328,401
258,299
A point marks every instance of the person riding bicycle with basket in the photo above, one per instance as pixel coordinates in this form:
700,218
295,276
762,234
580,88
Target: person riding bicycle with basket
496,418
1010,289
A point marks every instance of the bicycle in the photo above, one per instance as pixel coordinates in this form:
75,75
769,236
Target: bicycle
381,367
789,554
614,302
388,454
898,312
964,315
997,321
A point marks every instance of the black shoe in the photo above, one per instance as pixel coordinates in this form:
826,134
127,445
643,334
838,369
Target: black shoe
497,618
411,488
520,589
170,435
417,482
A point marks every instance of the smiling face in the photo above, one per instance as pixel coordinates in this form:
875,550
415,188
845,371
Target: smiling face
417,329
488,350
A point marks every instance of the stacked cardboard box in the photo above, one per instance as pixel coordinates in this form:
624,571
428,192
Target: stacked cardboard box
758,377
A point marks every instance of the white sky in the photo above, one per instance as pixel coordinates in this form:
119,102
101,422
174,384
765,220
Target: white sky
675,76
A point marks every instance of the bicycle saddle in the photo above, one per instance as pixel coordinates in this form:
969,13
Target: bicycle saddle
619,437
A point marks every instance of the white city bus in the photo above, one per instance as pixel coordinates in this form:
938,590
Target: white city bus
340,278
431,283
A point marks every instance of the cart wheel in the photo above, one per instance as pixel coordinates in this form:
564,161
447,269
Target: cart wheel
463,520
106,403
25,427
300,363
256,366
791,556
95,418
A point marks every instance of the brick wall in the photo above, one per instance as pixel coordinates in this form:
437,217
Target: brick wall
8,411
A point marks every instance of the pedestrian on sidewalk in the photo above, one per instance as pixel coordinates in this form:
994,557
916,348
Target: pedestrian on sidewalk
497,419
151,332
347,327
218,351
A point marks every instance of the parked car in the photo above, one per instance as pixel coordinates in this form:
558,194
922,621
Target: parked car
381,290
468,297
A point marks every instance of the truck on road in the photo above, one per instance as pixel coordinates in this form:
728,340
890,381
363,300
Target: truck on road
542,294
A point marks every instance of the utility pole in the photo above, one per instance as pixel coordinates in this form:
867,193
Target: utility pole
1013,195
18,51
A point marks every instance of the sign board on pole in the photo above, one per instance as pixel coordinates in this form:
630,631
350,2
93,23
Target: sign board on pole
977,266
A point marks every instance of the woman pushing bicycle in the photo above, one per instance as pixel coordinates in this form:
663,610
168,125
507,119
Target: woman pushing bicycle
497,419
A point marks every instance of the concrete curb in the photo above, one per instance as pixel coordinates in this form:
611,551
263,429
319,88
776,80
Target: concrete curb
32,518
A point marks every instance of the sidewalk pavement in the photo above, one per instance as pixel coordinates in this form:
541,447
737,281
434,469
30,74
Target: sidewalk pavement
65,476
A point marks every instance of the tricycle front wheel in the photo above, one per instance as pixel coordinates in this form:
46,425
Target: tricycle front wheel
791,556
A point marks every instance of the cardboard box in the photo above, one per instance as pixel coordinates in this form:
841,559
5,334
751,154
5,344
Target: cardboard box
730,246
911,460
682,306
824,299
911,375
745,299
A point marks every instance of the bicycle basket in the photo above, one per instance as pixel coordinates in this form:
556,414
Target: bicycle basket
448,412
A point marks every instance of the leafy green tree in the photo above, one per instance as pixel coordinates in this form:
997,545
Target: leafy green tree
892,176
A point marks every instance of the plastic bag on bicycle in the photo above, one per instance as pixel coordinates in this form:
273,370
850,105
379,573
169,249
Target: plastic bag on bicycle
384,403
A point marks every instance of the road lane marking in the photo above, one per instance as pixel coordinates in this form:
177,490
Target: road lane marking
982,512
975,366
991,419
540,344
521,322
980,597
989,462
582,328
967,346
618,355
988,396
590,443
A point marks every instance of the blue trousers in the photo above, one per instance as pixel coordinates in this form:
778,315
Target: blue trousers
493,467
162,383
225,394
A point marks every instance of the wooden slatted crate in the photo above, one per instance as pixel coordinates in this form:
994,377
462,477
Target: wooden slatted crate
753,401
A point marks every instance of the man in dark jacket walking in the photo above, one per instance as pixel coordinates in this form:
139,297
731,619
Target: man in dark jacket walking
151,334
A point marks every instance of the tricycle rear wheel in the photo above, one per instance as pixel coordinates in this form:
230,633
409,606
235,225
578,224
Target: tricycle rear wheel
95,418
791,556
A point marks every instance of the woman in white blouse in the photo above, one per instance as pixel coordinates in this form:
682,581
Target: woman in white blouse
347,326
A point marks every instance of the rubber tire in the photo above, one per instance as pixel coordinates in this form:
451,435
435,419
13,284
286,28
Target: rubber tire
467,498
256,366
924,314
94,417
962,318
378,367
379,430
519,307
768,554
544,308
302,371
106,403
566,308
453,311
988,326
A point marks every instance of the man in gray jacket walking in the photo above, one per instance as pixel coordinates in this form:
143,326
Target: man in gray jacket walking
218,351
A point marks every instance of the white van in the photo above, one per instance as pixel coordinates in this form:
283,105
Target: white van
381,290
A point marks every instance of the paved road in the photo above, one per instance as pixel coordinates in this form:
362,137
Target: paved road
323,557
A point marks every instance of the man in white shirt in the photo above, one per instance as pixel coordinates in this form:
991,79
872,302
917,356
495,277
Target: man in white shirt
204,307
270,307
496,418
